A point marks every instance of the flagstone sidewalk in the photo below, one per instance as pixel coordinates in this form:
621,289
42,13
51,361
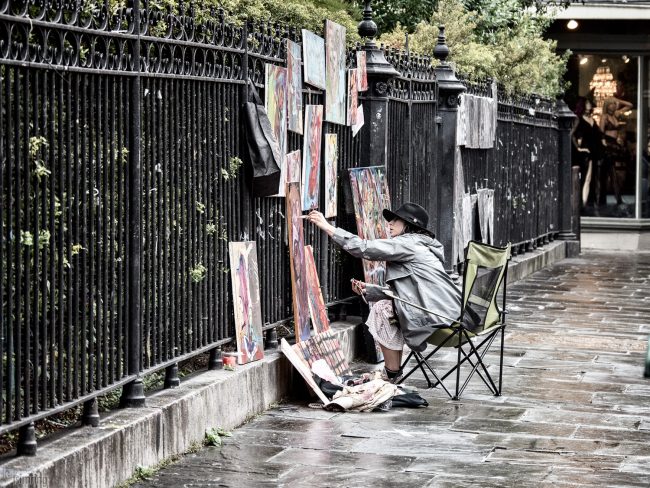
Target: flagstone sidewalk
575,409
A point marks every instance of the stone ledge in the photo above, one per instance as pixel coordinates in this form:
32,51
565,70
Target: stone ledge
173,419
526,264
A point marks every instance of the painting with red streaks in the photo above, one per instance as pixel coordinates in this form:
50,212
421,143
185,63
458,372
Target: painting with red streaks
275,101
317,308
370,196
311,156
297,260
246,301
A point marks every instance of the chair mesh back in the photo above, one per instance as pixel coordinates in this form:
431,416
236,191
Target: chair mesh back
485,268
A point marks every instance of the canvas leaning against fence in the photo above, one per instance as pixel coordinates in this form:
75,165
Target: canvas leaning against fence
246,301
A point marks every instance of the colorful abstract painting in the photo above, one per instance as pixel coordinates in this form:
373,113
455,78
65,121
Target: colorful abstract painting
302,367
294,166
297,259
362,74
324,346
331,168
313,53
317,308
370,196
246,301
311,156
275,101
336,90
294,85
353,97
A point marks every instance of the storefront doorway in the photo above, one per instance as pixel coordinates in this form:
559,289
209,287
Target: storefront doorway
604,93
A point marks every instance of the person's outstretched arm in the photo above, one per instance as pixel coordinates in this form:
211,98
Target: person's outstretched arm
371,249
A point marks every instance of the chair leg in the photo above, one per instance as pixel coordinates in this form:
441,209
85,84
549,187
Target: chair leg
418,357
421,362
479,359
501,362
460,348
474,370
438,381
406,361
479,351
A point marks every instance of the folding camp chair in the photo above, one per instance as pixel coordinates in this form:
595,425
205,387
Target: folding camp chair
484,279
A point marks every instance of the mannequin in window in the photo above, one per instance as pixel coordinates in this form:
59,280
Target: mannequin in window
588,145
610,125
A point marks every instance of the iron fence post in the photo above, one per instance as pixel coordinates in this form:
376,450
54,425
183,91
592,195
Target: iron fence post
373,137
171,376
26,440
90,414
133,392
449,90
566,119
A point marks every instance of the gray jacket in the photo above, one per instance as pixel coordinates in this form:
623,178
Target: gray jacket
414,272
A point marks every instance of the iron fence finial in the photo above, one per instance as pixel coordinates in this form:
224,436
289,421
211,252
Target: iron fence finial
441,51
367,27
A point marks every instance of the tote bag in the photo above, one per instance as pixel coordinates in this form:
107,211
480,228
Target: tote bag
263,149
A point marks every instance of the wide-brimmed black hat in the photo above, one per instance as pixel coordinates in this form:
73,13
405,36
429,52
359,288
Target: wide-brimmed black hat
411,213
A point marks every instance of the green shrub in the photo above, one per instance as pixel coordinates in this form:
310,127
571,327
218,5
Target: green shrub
505,43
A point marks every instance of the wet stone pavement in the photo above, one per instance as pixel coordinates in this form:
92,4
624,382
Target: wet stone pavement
575,409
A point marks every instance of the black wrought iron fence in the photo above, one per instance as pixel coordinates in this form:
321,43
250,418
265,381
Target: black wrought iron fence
522,168
412,130
122,182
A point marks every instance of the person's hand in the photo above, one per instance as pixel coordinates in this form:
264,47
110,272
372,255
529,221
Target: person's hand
583,149
358,287
318,219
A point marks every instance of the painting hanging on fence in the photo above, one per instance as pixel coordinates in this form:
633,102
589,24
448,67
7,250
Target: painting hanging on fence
353,97
311,156
331,168
362,74
317,308
335,73
246,301
297,260
294,87
313,51
275,101
294,166
323,346
370,196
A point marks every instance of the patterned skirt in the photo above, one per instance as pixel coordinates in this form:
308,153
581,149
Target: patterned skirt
384,327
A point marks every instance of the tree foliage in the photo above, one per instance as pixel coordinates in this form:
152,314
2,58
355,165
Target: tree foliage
302,14
388,14
499,41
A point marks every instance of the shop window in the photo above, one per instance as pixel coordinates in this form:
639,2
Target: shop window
603,94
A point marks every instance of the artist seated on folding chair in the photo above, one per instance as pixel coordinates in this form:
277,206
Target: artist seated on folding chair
414,271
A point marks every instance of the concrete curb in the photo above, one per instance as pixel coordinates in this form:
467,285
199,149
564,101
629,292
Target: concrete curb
526,264
175,419
172,421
